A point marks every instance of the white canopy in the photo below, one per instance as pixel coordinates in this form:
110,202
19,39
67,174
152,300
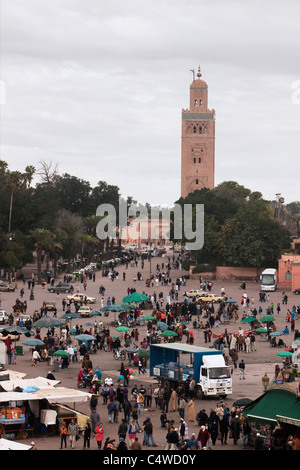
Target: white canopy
63,395
40,382
6,444
52,395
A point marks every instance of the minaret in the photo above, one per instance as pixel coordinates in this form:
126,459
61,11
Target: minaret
197,140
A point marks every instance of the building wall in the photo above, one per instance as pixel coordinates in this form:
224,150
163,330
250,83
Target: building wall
229,273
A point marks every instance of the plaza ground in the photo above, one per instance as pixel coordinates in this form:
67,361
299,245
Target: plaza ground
257,362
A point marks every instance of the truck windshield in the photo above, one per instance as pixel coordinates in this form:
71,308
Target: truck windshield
219,373
267,279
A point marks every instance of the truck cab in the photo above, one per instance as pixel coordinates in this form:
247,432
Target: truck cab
214,378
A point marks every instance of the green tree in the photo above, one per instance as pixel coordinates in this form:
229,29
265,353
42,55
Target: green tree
41,239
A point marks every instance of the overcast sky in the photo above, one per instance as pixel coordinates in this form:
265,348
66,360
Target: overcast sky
98,86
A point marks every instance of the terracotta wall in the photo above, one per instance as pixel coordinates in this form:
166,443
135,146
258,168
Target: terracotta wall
230,273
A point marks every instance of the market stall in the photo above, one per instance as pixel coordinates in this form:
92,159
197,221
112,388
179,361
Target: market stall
277,407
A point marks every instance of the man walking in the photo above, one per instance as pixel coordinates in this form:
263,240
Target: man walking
148,432
242,369
73,432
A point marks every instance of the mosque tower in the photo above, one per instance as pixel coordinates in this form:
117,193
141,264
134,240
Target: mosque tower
197,140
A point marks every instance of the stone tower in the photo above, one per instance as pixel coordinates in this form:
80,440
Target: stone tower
197,141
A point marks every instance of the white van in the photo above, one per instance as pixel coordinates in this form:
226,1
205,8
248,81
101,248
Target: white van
3,317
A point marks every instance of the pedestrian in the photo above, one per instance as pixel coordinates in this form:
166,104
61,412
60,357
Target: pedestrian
224,428
183,430
181,407
117,406
246,433
235,429
191,409
248,344
73,432
234,356
122,431
13,356
95,419
122,445
9,354
87,435
63,435
136,445
242,369
172,439
214,431
127,408
203,437
173,400
99,432
148,432
110,409
132,430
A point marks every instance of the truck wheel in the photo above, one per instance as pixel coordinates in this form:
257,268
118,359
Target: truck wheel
199,393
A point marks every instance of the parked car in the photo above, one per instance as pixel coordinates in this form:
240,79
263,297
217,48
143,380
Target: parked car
61,287
50,305
194,293
23,317
6,287
296,291
3,317
206,297
81,298
84,311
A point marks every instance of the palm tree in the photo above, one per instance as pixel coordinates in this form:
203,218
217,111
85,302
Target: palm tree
41,238
89,241
72,226
71,231
91,223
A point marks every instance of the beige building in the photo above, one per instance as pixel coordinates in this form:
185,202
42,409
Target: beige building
197,140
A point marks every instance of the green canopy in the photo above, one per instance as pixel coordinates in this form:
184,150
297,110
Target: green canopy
135,297
266,318
15,330
48,322
70,316
275,405
122,328
144,353
168,333
111,308
95,313
284,354
150,317
61,353
261,330
162,326
248,319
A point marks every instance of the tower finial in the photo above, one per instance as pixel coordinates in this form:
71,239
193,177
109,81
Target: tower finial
199,74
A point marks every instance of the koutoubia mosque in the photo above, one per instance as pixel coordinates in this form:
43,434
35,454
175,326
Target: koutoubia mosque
197,140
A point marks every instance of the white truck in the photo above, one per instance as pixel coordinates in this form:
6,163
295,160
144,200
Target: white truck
173,363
